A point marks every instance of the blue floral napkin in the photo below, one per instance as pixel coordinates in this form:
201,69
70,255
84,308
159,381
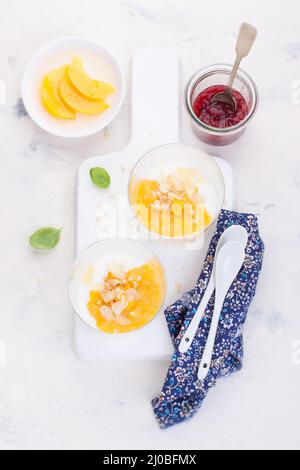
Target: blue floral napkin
183,394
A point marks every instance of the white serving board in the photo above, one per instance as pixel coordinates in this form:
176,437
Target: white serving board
104,214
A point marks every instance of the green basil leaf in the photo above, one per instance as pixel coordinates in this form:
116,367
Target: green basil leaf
45,238
100,177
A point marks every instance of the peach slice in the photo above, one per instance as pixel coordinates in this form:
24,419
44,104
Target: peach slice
91,89
50,95
77,101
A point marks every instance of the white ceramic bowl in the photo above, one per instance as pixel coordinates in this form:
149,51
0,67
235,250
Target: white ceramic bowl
98,62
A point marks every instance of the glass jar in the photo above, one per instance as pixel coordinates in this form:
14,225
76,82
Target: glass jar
219,74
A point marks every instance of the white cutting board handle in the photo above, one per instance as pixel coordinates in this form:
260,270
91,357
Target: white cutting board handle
155,97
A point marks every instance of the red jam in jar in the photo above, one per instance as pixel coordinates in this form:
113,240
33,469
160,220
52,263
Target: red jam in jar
217,114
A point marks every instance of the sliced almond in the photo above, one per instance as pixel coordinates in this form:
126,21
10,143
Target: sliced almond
119,292
119,306
177,195
107,313
155,205
122,320
108,296
164,199
132,295
111,283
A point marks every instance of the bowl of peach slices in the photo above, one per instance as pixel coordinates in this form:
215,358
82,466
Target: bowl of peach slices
117,286
73,87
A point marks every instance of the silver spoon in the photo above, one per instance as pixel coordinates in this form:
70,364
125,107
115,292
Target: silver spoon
247,36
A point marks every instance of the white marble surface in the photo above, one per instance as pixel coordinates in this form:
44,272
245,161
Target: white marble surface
49,399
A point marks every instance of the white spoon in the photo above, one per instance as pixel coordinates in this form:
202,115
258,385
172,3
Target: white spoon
229,262
233,233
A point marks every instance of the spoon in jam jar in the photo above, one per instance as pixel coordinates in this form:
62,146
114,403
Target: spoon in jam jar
247,36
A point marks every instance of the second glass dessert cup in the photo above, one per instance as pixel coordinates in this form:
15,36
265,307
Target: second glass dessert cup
172,177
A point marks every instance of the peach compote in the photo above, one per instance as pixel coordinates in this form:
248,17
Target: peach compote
171,206
127,301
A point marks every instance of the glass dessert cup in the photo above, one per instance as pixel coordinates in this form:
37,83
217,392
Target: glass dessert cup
92,267
213,75
171,162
